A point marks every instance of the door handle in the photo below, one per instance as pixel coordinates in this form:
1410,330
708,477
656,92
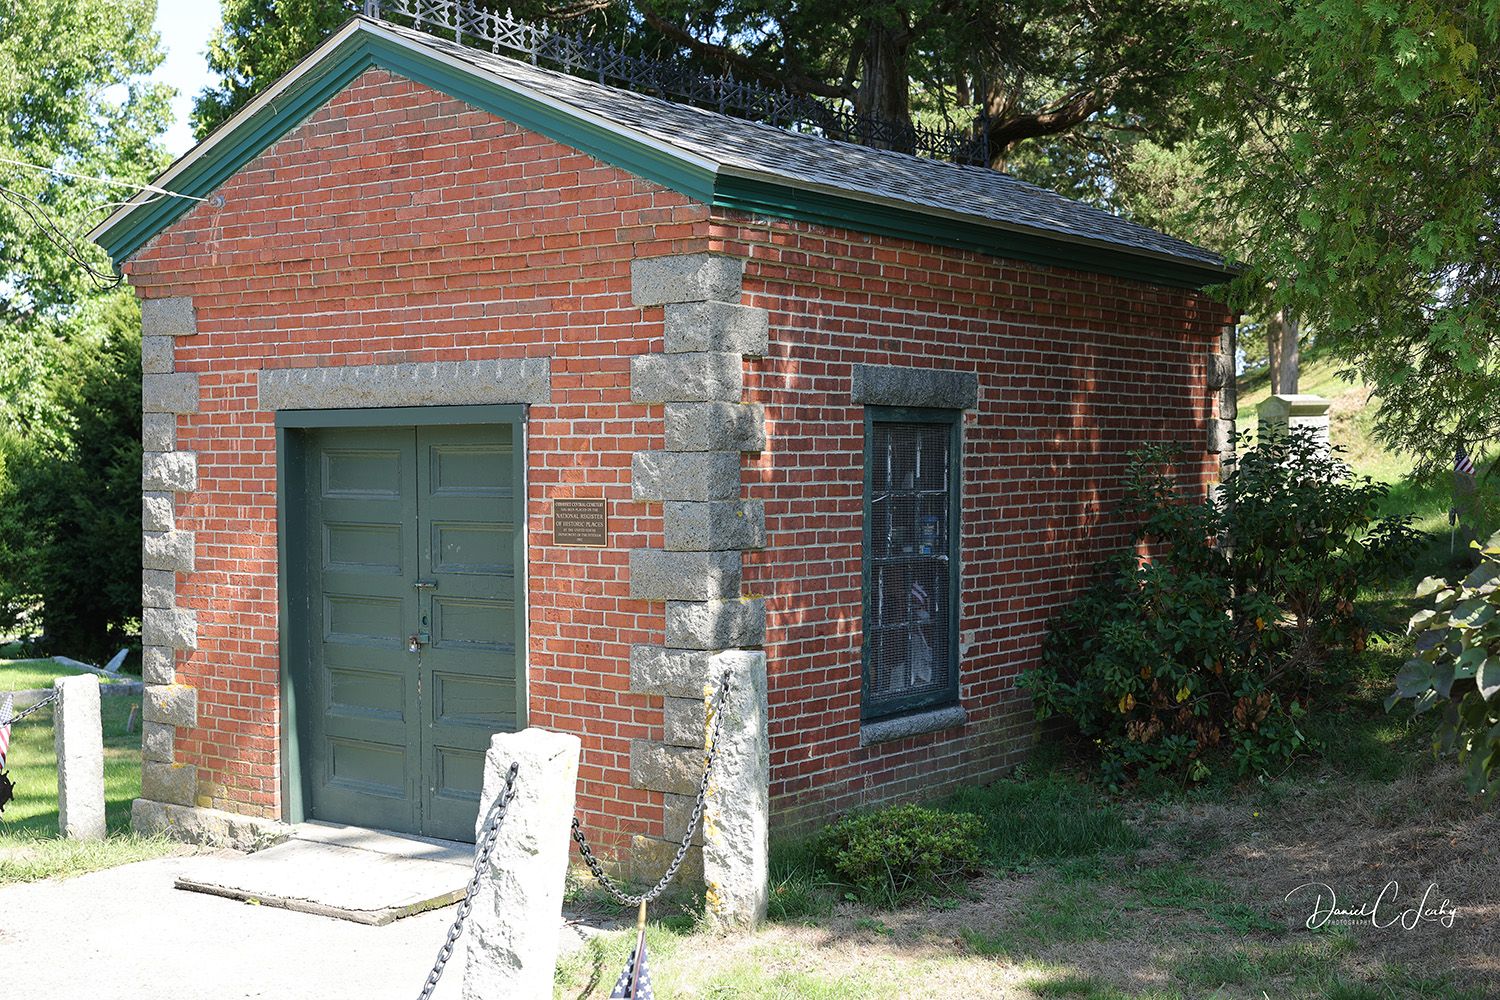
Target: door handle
417,640
425,584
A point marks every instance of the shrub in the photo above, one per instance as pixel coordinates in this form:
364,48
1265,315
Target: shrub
1457,667
901,854
1214,641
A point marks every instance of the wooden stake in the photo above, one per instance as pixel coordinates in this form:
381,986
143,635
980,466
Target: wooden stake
640,951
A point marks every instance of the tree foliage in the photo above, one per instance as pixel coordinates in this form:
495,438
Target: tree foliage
259,41
70,483
1357,140
73,96
1039,68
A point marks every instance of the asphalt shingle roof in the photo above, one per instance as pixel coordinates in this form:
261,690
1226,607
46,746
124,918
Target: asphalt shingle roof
739,145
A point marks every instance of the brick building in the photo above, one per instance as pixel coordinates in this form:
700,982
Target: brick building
480,396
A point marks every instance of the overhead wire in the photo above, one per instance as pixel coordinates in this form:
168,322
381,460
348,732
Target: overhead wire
61,240
100,180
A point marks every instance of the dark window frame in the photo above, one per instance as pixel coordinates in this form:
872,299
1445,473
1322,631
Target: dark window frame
873,706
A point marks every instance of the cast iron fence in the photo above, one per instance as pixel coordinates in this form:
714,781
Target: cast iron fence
468,23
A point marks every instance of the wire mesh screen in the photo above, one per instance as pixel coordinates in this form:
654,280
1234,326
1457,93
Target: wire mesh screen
907,636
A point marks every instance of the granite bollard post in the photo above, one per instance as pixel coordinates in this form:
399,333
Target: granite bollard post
78,736
736,815
517,920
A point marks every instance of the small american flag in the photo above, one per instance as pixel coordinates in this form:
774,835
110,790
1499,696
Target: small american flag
1463,464
625,987
5,717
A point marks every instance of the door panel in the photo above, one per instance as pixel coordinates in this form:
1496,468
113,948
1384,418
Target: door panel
410,532
467,525
362,504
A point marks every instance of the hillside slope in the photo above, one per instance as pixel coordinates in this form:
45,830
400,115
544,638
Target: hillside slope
1352,414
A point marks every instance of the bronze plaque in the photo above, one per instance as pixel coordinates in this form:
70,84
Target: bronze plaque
580,523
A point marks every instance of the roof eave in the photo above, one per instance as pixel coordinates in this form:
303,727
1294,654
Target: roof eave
764,194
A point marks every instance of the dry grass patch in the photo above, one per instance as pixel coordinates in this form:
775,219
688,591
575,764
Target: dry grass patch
1198,911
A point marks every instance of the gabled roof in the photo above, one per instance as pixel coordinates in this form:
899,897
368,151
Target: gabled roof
714,158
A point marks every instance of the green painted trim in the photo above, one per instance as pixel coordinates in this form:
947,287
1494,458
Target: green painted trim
295,807
663,167
245,141
759,197
330,72
405,416
521,448
950,695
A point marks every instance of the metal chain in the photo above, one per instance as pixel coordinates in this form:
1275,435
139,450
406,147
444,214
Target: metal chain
482,851
49,699
610,885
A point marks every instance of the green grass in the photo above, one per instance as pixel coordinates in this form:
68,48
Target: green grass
768,972
747,980
1244,966
26,675
30,858
1073,985
1183,888
1026,823
799,888
29,844
1315,968
1053,913
32,764
1044,819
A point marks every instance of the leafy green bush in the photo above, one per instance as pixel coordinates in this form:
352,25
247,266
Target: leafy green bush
70,483
1457,667
1214,641
893,856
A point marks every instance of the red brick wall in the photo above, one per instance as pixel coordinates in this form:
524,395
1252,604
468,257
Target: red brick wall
1074,371
398,225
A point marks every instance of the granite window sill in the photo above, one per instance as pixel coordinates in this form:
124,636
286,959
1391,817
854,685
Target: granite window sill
915,724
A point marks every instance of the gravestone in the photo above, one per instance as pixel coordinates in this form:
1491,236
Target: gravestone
1282,413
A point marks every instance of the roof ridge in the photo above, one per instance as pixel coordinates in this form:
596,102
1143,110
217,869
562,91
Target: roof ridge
971,172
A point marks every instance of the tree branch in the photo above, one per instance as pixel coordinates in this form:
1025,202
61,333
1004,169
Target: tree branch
1077,107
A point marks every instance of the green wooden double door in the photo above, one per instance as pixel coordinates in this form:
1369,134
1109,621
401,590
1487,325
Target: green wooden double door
411,613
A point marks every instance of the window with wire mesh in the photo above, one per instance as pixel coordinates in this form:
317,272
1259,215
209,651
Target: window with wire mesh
909,659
